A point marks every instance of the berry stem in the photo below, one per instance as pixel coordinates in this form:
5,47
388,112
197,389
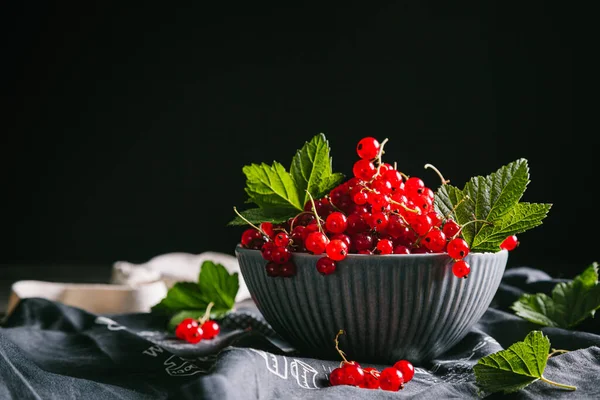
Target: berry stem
337,345
314,208
437,171
562,385
456,206
248,222
379,157
206,315
557,351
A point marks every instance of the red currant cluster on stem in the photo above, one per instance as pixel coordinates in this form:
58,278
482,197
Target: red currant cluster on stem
351,373
194,330
379,210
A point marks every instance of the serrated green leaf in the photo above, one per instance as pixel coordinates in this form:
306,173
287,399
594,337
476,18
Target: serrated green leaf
496,194
514,368
450,200
182,296
271,186
218,285
258,215
312,171
215,285
520,218
571,302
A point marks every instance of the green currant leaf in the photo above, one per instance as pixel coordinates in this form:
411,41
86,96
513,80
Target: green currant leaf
312,170
520,218
571,302
516,367
271,187
218,285
258,215
215,285
495,195
451,201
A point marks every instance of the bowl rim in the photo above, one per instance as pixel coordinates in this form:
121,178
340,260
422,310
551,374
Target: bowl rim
351,256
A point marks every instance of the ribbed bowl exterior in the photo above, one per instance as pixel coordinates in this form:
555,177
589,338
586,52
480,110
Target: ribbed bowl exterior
390,306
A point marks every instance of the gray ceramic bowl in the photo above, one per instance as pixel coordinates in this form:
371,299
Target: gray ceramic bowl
390,306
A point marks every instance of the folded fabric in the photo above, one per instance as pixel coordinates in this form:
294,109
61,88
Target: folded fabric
132,288
52,351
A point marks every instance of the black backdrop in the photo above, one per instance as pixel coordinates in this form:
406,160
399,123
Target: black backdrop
127,126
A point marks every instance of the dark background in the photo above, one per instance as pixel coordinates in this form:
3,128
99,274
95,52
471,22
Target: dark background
127,126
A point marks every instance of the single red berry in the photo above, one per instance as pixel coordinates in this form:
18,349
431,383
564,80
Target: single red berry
450,228
362,241
282,239
364,169
457,248
336,222
368,148
414,186
326,265
267,250
355,376
281,255
316,242
337,377
371,378
184,327
436,219
391,379
407,369
272,269
461,269
250,236
343,237
267,227
337,250
435,240
379,221
385,246
401,249
194,335
421,224
510,243
210,329
360,198
394,177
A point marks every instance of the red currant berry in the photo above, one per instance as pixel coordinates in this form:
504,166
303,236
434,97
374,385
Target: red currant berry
281,255
272,269
391,379
250,236
421,224
337,250
407,369
360,198
414,186
194,335
355,376
379,221
184,327
210,329
371,378
362,241
326,265
267,227
337,377
282,239
435,240
457,248
385,246
394,177
368,148
364,169
450,228
461,269
510,243
316,242
401,249
336,222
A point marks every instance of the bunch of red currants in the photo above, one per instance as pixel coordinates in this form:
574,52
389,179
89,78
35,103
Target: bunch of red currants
379,210
194,330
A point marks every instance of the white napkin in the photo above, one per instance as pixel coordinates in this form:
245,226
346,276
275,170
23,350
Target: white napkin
132,287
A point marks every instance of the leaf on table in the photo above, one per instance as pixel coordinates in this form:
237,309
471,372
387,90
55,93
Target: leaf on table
571,302
516,367
215,285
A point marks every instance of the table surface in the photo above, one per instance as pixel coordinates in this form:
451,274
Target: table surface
9,274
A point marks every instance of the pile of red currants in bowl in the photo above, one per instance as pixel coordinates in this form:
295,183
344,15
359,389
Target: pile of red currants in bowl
379,210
